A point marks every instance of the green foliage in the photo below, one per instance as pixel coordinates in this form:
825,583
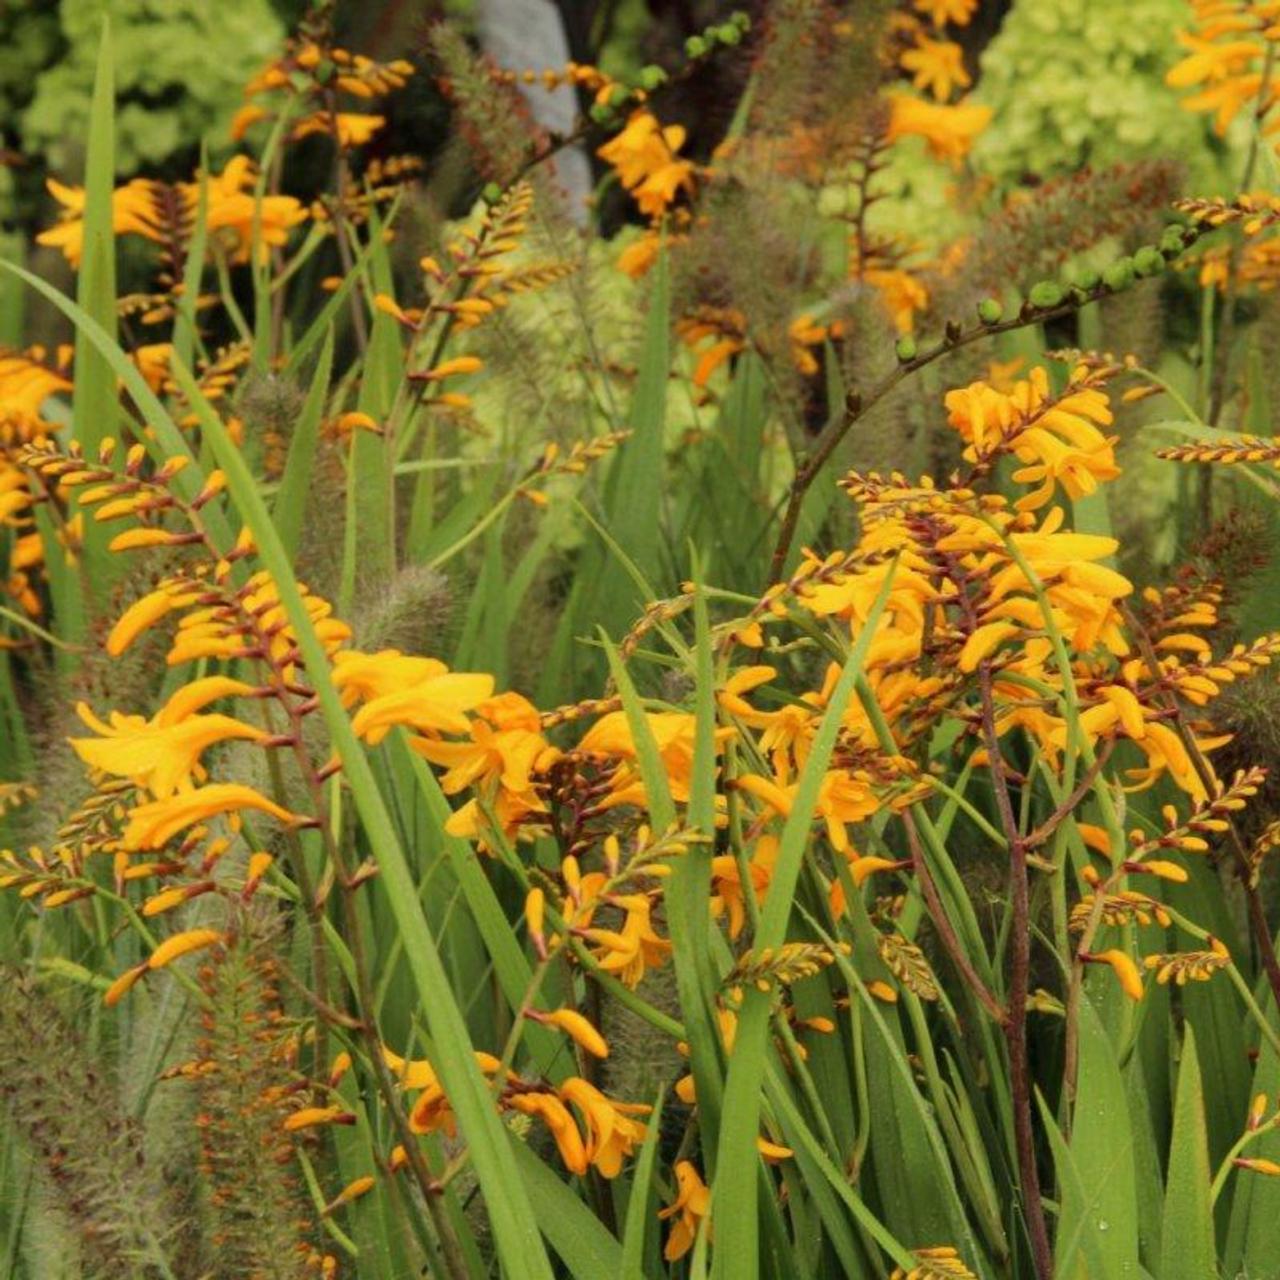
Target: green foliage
838,848
1082,84
181,67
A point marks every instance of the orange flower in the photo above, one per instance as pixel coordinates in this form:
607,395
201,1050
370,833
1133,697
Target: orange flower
692,1203
644,156
948,131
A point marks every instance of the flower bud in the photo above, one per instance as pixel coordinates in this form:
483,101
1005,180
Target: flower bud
1045,295
652,77
906,350
1148,261
492,193
990,310
1119,275
695,47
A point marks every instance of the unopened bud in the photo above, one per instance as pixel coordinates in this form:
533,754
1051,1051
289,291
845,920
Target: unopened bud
1044,295
990,311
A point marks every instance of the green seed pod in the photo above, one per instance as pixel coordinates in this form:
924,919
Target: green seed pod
1044,295
602,113
906,349
728,34
1087,279
652,77
695,47
990,311
491,194
741,20
1148,261
1119,275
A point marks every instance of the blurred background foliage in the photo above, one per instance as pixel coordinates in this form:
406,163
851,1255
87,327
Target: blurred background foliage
1087,79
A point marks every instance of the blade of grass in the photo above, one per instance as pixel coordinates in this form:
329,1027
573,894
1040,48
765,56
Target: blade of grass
94,404
636,1230
290,505
1188,1212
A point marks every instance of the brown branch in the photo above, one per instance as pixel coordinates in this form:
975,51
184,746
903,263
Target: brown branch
1015,1026
1046,829
942,926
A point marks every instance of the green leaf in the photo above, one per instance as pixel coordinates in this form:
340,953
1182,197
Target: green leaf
1103,1209
290,505
636,1230
94,405
632,502
1188,1212
575,1233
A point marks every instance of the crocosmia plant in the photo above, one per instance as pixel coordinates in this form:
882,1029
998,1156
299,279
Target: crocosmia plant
658,665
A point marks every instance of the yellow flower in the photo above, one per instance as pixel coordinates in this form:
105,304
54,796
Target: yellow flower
673,732
626,953
902,294
727,895
640,255
940,12
152,825
145,612
1230,73
1166,753
948,131
612,1134
233,210
1123,967
1056,437
559,1120
397,689
133,212
350,129
692,1203
181,944
936,66
644,156
578,1028
505,752
26,382
311,1117
842,798
163,754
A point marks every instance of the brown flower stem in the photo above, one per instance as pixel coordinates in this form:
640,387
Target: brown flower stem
942,926
1015,1026
1050,825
